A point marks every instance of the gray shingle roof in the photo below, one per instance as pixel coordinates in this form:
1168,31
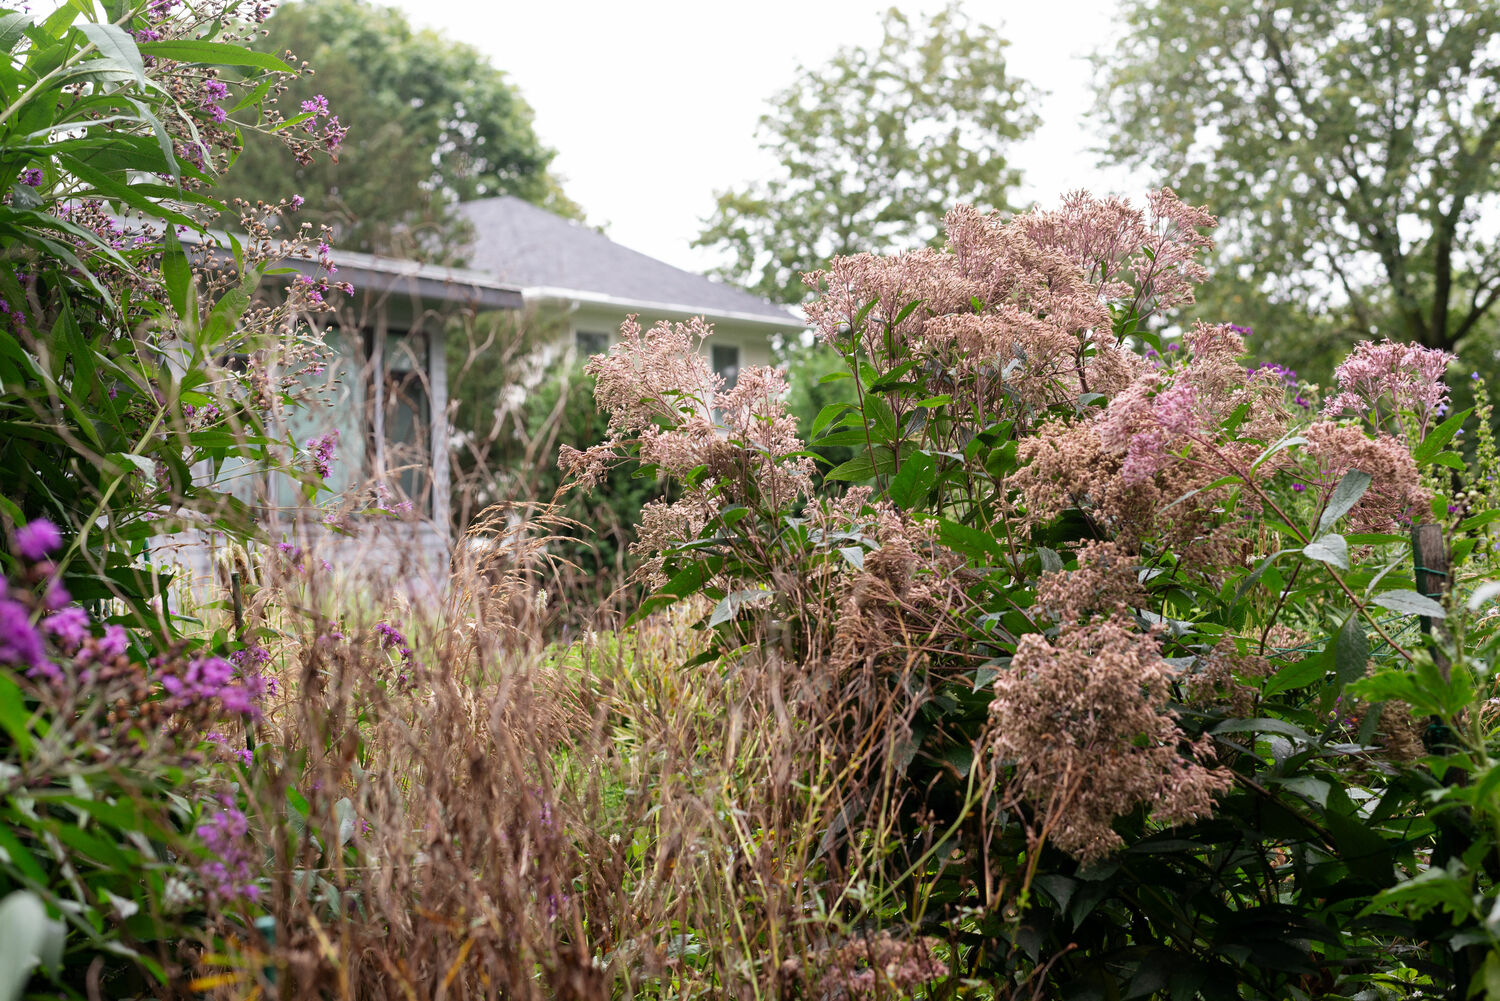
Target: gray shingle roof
523,245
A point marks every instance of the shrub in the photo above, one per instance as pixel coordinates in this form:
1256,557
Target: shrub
1116,593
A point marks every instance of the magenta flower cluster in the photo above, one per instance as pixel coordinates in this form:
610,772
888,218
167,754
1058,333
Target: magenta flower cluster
322,448
333,132
210,677
391,639
229,873
38,538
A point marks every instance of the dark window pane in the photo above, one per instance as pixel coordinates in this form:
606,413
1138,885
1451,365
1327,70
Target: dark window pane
591,342
726,363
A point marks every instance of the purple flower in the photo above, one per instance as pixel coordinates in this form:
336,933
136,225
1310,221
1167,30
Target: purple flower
32,177
57,596
297,202
391,639
1299,487
212,678
112,644
318,105
69,627
215,90
229,872
20,643
37,539
322,449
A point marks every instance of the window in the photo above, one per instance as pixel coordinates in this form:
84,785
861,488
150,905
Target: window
590,342
725,359
405,417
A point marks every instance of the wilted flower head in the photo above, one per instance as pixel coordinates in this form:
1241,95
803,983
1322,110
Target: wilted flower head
1085,721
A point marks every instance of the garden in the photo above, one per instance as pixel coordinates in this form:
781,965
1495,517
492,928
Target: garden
1102,661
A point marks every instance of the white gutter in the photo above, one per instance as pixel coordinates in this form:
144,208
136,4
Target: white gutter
789,322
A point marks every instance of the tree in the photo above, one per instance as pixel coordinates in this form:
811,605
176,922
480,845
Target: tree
874,148
1349,147
430,123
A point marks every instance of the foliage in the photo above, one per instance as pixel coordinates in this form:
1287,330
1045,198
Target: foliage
114,382
431,123
1351,153
103,780
1146,627
121,410
873,149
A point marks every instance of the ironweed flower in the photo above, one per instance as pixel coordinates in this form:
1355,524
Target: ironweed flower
229,873
38,538
20,643
322,449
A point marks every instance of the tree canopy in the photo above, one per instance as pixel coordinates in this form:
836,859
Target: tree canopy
431,122
874,148
1349,147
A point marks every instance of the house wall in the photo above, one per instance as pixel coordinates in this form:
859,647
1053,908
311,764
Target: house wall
753,339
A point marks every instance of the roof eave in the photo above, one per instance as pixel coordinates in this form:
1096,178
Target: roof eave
788,321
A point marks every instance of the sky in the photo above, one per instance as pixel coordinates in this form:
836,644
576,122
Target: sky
652,105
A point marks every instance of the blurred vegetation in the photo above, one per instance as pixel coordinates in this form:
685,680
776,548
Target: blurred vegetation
874,148
1348,148
431,123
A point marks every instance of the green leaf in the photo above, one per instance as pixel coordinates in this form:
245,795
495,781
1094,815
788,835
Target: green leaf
1437,439
1409,603
916,476
13,28
213,54
971,542
1299,675
828,415
1330,549
1348,492
861,467
885,419
120,47
177,275
1350,651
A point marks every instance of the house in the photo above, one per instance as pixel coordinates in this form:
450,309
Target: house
384,390
385,386
583,285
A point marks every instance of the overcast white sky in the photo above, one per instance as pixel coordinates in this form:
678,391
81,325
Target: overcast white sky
652,104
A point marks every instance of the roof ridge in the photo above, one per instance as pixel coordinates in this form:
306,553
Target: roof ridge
535,247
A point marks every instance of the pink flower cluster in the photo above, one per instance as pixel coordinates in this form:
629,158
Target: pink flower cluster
1390,383
1019,308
